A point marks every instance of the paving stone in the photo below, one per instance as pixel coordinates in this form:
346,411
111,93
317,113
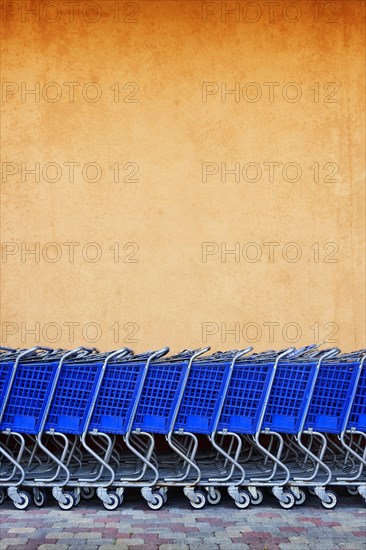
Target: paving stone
13,541
174,547
60,535
21,530
88,535
298,540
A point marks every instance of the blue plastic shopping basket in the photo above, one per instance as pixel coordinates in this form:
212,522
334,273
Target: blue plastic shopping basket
289,395
161,391
357,419
73,395
117,394
333,391
246,394
5,375
202,395
28,396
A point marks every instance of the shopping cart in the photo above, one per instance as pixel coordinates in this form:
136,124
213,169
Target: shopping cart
325,419
349,469
26,384
200,405
242,416
8,465
67,415
115,411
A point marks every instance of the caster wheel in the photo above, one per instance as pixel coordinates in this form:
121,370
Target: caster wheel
214,498
244,500
69,502
289,500
258,499
25,501
164,494
2,495
87,493
113,503
39,499
331,501
157,503
352,490
200,502
301,498
77,499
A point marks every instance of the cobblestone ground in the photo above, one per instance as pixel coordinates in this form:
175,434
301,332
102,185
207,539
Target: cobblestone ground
178,527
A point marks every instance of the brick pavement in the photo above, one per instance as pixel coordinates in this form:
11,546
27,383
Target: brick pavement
178,527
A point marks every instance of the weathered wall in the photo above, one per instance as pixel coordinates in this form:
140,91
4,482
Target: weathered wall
294,122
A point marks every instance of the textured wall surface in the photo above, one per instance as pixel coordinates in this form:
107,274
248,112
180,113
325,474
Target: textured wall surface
218,190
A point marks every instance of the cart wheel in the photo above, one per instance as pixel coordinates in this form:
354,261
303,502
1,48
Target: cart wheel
301,498
352,490
200,495
70,501
289,500
25,501
39,499
157,503
331,501
214,499
87,493
244,500
113,503
163,494
258,499
77,499
2,495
